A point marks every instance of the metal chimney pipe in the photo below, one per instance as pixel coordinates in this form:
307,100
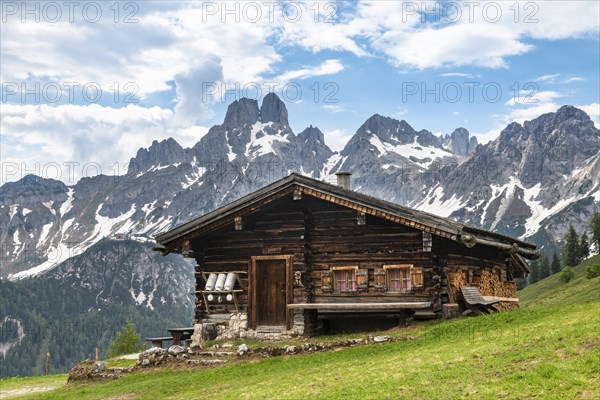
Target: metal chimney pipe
343,180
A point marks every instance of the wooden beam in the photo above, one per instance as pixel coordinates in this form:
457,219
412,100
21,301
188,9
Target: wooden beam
497,298
359,306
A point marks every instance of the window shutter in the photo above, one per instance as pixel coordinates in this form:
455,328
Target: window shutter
416,277
326,281
379,276
362,280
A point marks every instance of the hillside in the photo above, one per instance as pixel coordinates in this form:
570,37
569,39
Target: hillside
95,235
553,292
548,349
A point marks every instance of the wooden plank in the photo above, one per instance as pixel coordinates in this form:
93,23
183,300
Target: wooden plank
359,306
497,298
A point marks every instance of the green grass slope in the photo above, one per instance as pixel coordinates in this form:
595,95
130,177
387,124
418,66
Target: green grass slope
545,353
548,349
552,291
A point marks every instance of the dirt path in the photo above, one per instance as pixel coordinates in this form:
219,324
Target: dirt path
7,394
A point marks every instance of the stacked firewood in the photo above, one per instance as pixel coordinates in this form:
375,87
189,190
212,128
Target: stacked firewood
457,280
490,285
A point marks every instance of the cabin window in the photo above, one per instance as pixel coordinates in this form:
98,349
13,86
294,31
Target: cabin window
344,279
398,277
403,277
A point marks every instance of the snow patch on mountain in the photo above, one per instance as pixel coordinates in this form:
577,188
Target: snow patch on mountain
435,205
45,231
423,155
68,204
106,226
259,146
56,255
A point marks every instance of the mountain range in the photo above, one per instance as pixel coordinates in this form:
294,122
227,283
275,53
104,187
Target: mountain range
531,182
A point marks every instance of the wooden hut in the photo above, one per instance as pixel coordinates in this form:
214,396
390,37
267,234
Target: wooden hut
301,256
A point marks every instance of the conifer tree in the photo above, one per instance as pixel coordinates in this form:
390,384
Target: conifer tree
544,267
571,248
595,223
555,266
535,272
584,247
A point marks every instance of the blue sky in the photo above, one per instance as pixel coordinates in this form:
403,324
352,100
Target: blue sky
161,68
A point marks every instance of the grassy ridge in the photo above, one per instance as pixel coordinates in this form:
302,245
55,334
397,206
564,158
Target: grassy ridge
553,292
549,349
517,354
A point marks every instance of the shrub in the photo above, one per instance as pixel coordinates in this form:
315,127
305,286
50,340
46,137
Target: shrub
592,271
567,274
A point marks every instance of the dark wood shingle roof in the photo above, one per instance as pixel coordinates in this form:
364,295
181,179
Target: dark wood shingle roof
434,224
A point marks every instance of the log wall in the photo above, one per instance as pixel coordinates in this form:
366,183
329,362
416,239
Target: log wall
321,235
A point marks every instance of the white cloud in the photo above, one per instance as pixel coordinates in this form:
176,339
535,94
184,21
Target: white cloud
527,109
471,37
484,137
459,75
327,67
334,108
455,45
574,79
401,111
193,90
549,77
165,43
593,110
336,139
98,139
553,78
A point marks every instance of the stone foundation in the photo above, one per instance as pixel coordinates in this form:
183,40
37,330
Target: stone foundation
236,326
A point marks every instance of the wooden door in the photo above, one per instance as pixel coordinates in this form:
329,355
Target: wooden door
270,286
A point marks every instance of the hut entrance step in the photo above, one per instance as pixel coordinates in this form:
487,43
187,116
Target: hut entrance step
424,313
270,329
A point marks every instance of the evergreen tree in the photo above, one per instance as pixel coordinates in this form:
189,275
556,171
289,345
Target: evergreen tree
535,272
544,267
595,223
127,341
584,247
555,266
571,247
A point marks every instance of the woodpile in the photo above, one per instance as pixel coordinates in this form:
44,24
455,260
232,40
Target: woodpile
456,279
490,285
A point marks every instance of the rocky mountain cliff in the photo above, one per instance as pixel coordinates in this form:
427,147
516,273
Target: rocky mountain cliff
531,182
526,183
94,238
391,160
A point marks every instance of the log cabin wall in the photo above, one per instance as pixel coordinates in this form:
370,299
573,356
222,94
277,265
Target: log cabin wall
338,241
320,236
275,230
323,236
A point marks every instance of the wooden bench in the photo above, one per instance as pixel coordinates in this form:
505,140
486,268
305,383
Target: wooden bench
157,341
475,301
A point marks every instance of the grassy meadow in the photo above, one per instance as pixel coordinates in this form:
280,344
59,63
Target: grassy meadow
548,349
